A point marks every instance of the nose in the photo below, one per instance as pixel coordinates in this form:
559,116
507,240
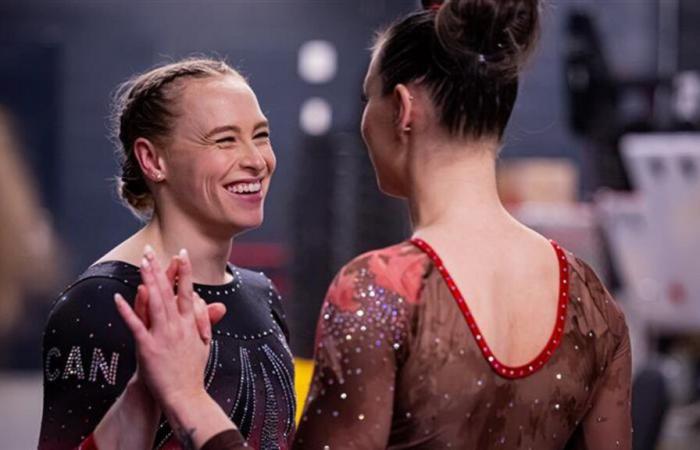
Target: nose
253,159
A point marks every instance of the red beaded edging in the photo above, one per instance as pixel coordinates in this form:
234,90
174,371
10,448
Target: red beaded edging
555,338
88,444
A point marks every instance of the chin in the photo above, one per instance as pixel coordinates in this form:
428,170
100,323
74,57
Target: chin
246,225
239,224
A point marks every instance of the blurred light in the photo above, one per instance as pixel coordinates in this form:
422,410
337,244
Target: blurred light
318,62
687,96
316,116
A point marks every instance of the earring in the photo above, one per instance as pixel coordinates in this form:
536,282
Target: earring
159,176
407,128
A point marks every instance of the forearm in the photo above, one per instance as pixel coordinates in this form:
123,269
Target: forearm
196,419
131,422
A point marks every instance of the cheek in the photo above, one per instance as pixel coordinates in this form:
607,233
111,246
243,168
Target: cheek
363,125
270,159
196,172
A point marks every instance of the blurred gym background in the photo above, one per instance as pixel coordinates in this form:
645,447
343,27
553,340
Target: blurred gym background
603,155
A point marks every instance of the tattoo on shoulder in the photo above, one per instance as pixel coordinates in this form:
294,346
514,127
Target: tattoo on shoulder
186,438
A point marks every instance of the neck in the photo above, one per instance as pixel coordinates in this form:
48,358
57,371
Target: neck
453,187
209,254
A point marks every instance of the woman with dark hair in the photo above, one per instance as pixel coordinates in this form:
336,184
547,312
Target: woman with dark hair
478,332
196,163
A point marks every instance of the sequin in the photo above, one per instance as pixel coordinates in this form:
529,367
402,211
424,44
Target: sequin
481,393
99,363
74,364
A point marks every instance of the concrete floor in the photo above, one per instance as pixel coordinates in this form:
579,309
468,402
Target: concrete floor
20,409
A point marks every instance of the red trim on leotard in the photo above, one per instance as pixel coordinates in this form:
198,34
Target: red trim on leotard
88,443
512,372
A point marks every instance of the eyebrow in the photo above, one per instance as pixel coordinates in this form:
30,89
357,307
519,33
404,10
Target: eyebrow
235,129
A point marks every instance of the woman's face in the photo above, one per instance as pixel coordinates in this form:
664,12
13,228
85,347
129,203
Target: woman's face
379,131
219,157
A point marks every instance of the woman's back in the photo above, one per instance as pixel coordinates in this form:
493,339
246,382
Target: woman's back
402,363
510,277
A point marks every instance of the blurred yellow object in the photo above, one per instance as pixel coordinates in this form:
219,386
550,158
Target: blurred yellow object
304,369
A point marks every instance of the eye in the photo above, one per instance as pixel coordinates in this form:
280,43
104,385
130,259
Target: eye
226,140
262,135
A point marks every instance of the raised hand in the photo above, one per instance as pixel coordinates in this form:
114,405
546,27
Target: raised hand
172,333
173,344
216,311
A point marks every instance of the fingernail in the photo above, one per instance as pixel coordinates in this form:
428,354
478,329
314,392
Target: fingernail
148,251
183,253
117,297
144,263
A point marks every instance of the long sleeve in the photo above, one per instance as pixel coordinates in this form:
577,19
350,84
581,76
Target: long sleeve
88,358
361,341
608,422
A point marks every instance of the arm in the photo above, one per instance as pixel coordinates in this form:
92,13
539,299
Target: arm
172,354
360,343
135,411
198,420
608,423
87,360
133,419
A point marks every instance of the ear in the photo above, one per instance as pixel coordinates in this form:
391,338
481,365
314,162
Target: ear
404,109
150,160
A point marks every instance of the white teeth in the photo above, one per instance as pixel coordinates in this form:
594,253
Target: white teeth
240,188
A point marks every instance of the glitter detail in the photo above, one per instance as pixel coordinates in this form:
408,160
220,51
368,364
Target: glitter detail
109,371
246,393
212,363
286,380
269,430
74,364
52,375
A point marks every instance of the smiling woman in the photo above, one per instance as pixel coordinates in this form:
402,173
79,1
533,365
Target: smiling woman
194,152
196,162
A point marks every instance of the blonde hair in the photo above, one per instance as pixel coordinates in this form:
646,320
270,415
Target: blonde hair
144,106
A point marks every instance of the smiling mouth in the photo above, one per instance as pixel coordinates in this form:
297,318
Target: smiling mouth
245,187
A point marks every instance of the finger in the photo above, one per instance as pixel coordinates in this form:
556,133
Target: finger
132,321
216,312
185,292
166,290
141,305
156,310
171,271
202,319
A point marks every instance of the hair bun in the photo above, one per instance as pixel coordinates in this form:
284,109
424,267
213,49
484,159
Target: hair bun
502,32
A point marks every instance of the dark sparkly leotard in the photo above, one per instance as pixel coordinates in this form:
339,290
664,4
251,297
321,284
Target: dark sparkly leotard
89,357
